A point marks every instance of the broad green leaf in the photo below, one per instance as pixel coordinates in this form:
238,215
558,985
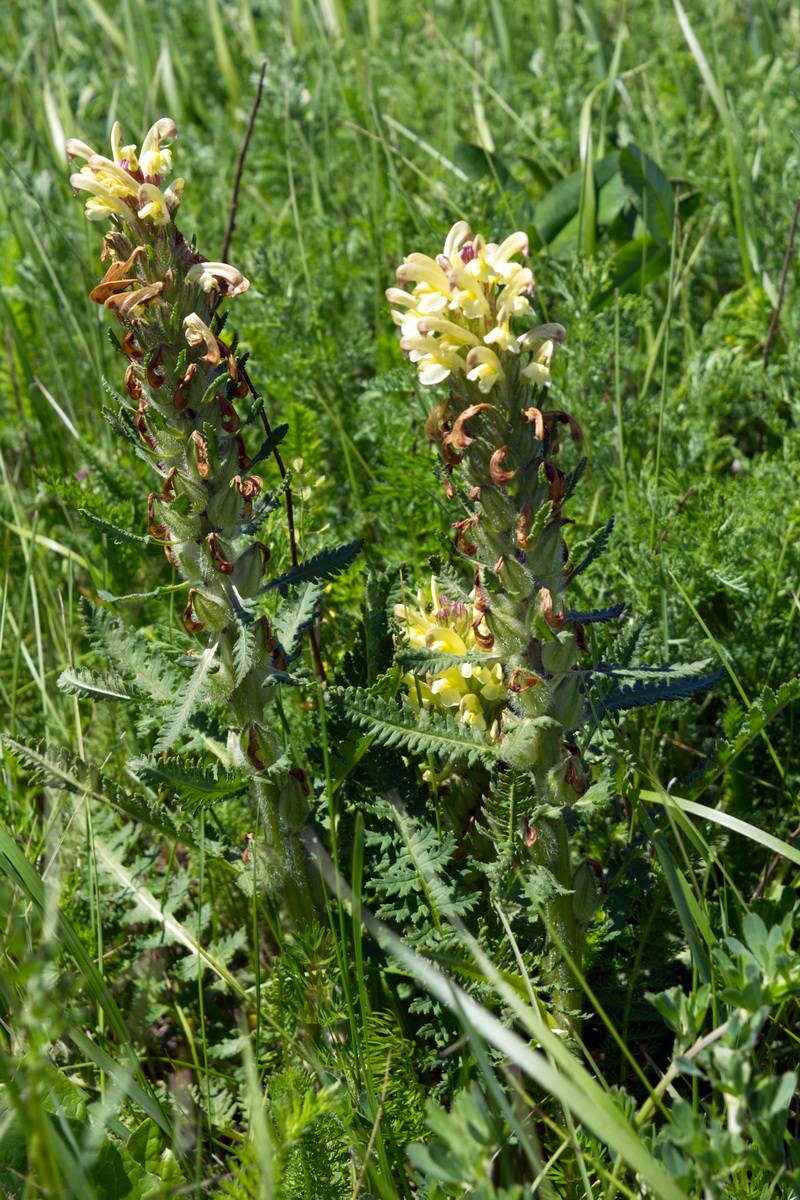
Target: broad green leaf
650,190
632,268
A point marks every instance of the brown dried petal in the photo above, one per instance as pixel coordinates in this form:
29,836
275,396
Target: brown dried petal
434,423
181,395
534,416
484,640
155,376
554,620
114,281
253,748
230,418
220,561
468,548
522,681
171,559
459,438
580,636
203,467
244,457
124,306
498,476
448,453
130,349
191,624
157,530
141,425
132,385
168,488
524,525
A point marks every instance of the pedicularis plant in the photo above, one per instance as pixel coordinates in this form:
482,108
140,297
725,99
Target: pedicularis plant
498,677
182,383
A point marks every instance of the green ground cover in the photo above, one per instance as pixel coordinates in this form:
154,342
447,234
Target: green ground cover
174,1020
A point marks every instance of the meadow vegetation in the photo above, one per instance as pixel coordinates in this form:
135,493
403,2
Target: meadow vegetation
326,954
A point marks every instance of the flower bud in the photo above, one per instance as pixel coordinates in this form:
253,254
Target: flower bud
293,806
225,507
249,570
212,610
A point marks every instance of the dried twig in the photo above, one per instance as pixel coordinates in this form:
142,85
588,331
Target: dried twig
678,508
773,325
237,179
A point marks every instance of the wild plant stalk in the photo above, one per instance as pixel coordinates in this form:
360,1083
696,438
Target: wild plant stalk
499,443
181,382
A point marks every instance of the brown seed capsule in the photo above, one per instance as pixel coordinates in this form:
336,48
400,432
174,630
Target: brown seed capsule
190,623
498,476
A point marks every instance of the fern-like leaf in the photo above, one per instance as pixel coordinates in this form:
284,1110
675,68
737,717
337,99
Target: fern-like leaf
596,614
269,444
326,565
196,788
177,718
117,535
420,659
294,622
594,547
397,725
79,681
653,691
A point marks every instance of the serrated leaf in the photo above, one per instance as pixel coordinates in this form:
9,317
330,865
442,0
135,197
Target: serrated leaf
417,658
176,719
79,681
397,725
325,565
643,692
268,445
294,621
595,614
108,598
574,477
596,545
117,535
196,787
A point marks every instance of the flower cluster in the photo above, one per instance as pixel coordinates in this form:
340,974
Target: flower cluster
473,692
128,185
458,317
